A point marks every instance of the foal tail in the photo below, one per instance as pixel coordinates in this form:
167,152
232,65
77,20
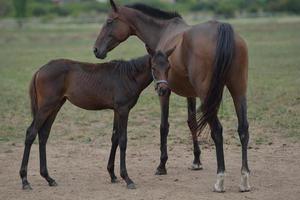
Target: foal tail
33,96
224,55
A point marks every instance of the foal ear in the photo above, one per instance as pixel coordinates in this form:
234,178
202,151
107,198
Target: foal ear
150,51
170,51
113,5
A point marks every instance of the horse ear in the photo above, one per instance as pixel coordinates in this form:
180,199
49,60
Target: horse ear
113,5
170,51
150,51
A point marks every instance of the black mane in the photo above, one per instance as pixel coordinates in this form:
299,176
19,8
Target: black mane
154,12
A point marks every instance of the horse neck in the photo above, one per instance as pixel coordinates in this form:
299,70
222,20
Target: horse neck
146,28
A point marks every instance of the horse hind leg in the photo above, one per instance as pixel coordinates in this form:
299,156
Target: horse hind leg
43,137
217,136
31,133
243,126
191,105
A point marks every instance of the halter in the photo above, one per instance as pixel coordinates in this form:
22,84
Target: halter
157,82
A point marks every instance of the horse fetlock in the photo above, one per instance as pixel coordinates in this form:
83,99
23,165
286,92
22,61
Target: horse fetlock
245,185
219,186
25,184
161,171
196,166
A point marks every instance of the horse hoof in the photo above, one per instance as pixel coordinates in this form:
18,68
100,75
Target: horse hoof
131,186
219,186
53,183
218,189
245,186
114,180
245,189
196,167
27,187
160,171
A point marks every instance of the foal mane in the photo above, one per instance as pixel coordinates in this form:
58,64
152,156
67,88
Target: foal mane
132,67
154,12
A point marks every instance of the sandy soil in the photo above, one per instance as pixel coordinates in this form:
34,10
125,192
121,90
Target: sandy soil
80,171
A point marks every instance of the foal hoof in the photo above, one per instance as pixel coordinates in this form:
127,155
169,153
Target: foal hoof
114,180
160,171
196,166
131,186
27,187
52,183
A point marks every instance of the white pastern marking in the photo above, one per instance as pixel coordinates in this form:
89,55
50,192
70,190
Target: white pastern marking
245,186
219,186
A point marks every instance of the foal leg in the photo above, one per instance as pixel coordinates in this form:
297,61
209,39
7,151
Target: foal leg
191,123
241,111
122,129
43,137
114,145
217,136
164,131
31,133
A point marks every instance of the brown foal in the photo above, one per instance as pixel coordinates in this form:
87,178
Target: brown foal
208,57
116,85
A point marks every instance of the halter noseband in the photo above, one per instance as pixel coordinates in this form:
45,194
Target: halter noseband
157,82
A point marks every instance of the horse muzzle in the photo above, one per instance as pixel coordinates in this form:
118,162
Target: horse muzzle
101,54
162,89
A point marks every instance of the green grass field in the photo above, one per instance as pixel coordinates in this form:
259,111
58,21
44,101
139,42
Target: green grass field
273,93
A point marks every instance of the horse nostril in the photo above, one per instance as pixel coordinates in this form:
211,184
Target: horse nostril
95,50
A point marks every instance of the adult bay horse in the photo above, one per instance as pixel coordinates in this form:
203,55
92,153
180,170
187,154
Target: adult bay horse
114,85
208,57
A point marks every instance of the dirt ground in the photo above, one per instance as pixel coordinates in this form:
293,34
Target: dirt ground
80,171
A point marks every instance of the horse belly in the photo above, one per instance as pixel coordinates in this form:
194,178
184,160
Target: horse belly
89,97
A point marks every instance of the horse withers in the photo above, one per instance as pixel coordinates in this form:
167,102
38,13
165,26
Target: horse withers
115,85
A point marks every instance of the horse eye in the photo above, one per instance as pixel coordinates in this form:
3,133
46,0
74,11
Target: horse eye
109,21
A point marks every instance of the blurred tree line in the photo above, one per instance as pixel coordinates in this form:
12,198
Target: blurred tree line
227,8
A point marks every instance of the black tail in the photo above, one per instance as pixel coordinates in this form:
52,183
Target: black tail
224,56
33,97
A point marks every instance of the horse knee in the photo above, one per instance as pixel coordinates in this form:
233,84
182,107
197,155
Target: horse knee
164,128
243,131
123,143
30,136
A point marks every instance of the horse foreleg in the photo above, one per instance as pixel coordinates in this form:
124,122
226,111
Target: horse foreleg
217,136
123,121
114,146
192,123
164,131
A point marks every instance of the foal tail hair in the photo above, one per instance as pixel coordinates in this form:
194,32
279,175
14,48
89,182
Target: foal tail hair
33,96
224,55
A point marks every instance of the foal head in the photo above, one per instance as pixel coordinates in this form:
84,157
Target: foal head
160,67
114,31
